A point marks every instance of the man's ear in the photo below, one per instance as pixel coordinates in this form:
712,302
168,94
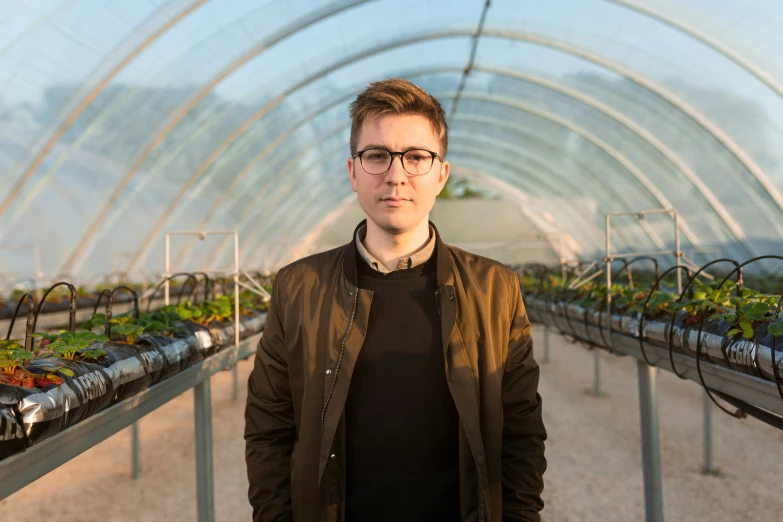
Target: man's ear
443,177
352,174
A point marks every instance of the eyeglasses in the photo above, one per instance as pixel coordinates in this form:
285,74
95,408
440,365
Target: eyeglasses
415,162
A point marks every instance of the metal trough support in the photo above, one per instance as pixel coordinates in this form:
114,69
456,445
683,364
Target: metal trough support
648,389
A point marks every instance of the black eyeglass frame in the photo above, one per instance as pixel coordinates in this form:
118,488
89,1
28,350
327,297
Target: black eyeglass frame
401,154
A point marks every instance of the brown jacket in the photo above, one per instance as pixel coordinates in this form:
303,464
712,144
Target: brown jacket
314,331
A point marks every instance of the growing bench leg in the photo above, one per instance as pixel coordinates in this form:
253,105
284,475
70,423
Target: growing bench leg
651,447
205,487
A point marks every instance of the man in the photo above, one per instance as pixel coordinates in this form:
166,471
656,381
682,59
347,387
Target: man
395,380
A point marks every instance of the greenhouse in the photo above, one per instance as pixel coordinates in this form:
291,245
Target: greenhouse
161,161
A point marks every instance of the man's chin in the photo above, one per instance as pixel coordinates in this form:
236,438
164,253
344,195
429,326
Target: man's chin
395,222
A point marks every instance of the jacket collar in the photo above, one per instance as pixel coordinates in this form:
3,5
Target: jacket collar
442,253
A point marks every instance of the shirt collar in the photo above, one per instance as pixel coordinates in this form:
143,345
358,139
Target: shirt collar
417,258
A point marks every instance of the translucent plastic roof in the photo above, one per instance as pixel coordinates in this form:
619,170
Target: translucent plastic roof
120,121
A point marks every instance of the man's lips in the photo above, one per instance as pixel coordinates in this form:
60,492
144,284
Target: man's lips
393,201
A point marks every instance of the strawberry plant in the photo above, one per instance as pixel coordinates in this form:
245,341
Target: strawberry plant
69,345
46,338
221,309
12,357
185,310
708,301
124,327
161,322
53,376
97,320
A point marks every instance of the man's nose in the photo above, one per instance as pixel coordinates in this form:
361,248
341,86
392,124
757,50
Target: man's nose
396,174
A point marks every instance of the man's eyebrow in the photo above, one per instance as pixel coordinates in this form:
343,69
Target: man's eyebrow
409,147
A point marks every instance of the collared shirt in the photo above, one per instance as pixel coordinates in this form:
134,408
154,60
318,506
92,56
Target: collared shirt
419,257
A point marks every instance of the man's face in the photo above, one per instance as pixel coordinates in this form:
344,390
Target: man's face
394,201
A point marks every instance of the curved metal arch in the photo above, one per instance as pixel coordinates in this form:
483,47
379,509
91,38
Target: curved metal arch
659,91
729,53
94,126
174,120
32,27
66,122
668,154
624,163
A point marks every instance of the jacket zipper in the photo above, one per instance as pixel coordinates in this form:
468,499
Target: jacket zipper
339,361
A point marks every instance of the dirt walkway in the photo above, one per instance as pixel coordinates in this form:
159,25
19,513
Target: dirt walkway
593,450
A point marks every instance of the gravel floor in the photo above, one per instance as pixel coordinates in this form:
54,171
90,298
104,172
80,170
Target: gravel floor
593,450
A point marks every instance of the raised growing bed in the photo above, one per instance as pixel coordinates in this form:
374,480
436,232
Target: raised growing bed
726,337
72,375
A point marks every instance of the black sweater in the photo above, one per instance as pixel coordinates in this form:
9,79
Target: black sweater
402,425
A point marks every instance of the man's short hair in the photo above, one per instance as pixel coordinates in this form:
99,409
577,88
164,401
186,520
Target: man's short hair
397,96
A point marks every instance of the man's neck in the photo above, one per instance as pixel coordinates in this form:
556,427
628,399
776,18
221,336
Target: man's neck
390,248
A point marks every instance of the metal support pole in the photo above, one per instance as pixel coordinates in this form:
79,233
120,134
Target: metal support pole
648,388
597,372
546,345
708,467
135,464
205,487
651,447
235,383
202,392
234,371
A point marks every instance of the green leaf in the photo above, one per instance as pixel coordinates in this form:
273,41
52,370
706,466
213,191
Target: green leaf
93,354
729,317
11,344
747,329
756,311
775,330
675,307
733,332
22,355
95,321
122,319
